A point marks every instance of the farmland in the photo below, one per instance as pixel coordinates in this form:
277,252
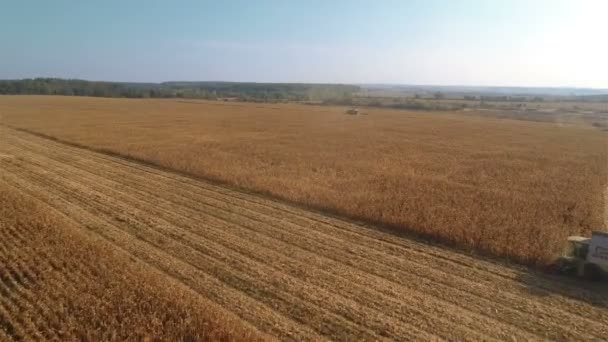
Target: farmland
58,281
509,188
96,246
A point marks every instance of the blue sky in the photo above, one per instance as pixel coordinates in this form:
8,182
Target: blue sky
449,42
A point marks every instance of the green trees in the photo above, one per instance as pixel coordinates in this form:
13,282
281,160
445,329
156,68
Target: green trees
266,92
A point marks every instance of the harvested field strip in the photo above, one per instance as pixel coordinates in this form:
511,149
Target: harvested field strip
291,272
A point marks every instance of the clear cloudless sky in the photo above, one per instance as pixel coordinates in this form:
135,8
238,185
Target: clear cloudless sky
438,42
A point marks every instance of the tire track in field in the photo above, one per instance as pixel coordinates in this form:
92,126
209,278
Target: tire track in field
344,280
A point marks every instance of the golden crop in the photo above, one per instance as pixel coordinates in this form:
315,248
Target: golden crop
510,188
58,281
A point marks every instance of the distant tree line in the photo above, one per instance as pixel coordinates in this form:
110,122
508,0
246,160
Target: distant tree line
264,92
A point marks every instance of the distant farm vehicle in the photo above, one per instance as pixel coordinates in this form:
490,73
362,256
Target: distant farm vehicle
352,111
586,257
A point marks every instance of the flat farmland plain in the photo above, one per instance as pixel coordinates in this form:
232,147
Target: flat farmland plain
510,188
95,246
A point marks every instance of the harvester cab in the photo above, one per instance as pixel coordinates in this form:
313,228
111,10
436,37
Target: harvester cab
586,257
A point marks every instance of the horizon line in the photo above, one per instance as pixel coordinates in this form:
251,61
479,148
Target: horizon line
428,85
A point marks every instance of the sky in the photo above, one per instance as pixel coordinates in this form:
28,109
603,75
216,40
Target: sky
434,42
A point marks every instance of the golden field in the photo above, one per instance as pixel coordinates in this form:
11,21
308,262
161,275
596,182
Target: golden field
59,281
510,188
102,248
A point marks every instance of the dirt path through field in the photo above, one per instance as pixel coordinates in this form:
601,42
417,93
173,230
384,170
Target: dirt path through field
294,273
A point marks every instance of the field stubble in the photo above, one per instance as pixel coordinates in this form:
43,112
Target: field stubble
510,188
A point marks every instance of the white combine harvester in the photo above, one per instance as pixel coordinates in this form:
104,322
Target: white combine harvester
586,257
